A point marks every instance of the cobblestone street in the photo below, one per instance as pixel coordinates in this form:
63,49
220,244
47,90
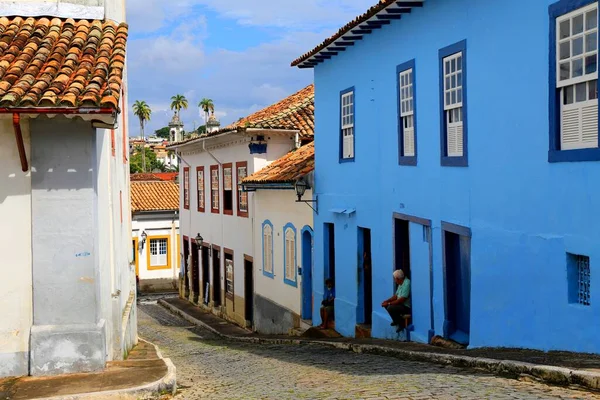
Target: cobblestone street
210,368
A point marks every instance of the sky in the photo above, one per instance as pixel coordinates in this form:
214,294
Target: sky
235,52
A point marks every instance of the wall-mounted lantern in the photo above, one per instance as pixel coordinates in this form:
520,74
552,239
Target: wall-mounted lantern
144,235
301,187
199,240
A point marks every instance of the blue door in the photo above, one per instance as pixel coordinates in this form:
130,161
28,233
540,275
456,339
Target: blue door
457,287
307,264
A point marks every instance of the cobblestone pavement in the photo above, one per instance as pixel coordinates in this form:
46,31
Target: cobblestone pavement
212,368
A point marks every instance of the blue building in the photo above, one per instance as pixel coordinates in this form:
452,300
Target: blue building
458,140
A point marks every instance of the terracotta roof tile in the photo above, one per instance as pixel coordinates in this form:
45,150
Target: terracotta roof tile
154,196
143,176
288,168
61,62
295,112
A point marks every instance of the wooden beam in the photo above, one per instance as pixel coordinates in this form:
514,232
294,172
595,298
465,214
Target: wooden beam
352,37
361,31
335,48
377,23
344,43
409,3
399,10
389,16
328,53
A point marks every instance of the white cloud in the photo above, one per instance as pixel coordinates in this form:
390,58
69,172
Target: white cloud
167,55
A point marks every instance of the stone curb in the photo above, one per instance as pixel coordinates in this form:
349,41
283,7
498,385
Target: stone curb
506,368
167,384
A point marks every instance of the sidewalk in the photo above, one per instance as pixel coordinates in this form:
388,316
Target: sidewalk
145,373
555,368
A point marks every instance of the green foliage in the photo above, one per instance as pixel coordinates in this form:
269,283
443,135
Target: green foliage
142,110
164,133
207,105
152,164
179,102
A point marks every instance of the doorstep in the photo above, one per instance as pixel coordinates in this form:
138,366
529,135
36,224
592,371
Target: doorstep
144,373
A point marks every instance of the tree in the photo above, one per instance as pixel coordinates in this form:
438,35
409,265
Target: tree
164,133
136,160
142,110
207,106
178,102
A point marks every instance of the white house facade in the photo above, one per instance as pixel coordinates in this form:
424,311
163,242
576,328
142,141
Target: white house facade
67,293
220,268
155,235
283,244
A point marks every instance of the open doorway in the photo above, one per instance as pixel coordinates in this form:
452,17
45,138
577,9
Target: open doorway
307,265
457,277
401,247
365,285
186,255
206,273
249,290
216,261
329,246
195,273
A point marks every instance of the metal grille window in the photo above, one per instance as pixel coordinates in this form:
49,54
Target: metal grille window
158,252
583,280
577,77
407,113
347,113
453,103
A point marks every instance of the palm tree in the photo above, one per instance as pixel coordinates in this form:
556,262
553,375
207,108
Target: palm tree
142,110
207,106
178,102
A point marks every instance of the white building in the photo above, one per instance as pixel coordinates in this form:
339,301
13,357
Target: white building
221,276
283,243
67,287
155,234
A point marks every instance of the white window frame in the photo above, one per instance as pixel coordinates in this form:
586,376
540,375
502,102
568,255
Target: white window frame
290,255
268,249
407,114
578,118
453,103
158,258
347,123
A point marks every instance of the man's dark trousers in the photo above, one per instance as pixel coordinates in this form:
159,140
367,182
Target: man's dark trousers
397,312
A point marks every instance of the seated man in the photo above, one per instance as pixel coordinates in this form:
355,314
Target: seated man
399,304
327,304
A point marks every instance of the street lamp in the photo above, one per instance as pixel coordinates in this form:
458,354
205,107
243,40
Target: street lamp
199,240
301,187
144,235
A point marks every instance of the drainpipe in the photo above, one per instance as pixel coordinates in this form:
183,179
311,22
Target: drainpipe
16,112
20,144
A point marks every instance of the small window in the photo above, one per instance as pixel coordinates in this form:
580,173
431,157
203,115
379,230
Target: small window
214,188
577,77
186,188
158,253
200,188
579,281
407,114
347,124
227,189
268,249
242,172
454,105
290,254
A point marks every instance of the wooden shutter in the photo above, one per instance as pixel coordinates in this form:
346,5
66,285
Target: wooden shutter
348,146
579,125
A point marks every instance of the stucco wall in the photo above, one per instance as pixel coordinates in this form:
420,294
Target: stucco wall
15,245
525,214
225,231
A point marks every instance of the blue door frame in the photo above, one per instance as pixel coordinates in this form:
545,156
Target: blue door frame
456,243
307,267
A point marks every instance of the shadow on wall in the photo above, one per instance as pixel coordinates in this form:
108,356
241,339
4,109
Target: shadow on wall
60,153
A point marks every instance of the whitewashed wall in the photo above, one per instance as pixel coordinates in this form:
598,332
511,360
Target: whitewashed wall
280,208
15,247
225,231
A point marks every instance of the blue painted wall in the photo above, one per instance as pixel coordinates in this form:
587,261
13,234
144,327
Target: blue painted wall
525,214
